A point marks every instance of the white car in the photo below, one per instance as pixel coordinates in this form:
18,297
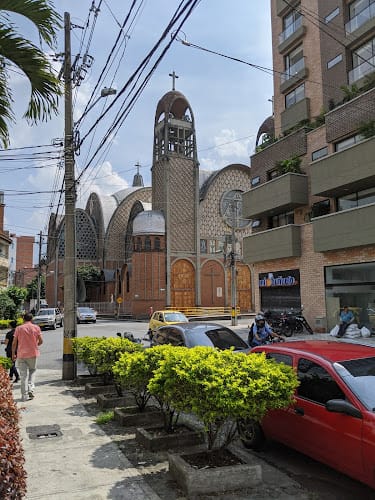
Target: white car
49,317
86,315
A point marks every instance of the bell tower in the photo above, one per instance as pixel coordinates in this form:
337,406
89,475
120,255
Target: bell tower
175,176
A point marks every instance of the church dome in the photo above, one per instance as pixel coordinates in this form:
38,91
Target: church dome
149,222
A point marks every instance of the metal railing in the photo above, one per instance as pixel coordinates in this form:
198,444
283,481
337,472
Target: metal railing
360,19
206,311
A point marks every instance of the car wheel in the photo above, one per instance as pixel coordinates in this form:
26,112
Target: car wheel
250,433
286,330
54,326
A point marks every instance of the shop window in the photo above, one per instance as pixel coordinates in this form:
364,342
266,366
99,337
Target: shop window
319,153
281,220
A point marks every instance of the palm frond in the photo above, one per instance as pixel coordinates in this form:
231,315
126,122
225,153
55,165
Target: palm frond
40,12
45,87
6,115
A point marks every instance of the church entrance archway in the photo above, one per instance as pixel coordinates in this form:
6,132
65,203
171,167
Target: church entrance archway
182,284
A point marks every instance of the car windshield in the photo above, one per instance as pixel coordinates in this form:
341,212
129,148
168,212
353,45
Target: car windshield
359,375
175,316
45,312
85,310
221,338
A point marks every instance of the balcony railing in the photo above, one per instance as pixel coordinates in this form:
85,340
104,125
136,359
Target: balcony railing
360,19
362,70
293,70
292,28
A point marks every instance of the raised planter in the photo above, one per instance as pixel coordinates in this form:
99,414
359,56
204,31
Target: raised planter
131,416
95,388
88,379
113,400
155,438
207,480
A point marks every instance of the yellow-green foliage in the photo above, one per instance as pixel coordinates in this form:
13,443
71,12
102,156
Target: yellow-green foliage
134,370
4,323
83,346
107,351
5,362
221,386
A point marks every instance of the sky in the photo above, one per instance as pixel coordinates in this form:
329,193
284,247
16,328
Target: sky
229,99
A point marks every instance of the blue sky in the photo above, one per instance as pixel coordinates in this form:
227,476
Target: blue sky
230,100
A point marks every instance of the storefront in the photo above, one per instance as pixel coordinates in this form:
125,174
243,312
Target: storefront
280,290
352,285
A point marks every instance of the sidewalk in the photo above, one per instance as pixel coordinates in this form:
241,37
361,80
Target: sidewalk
72,458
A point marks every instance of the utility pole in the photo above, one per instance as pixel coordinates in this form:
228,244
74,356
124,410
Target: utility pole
39,283
233,269
70,319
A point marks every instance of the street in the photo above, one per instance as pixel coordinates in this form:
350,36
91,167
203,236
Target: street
327,483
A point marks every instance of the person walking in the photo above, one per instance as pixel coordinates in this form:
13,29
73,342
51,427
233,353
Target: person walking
8,349
25,349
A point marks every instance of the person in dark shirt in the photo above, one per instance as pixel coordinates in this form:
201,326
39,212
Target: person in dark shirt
8,349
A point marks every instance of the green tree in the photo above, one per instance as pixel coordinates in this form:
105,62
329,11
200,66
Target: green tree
8,308
89,273
15,50
17,294
32,288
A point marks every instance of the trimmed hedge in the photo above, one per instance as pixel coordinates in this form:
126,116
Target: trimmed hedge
12,458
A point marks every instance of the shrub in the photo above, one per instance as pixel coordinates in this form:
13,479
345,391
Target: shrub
220,387
5,362
82,348
12,459
107,351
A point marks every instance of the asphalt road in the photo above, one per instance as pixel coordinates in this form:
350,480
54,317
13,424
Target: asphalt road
326,483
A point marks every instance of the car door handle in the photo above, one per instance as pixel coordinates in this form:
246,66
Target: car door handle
299,411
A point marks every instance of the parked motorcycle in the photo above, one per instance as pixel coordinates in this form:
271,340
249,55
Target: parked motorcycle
294,322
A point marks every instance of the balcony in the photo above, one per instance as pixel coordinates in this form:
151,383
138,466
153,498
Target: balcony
282,194
297,113
293,75
277,243
352,169
292,33
362,70
346,229
360,19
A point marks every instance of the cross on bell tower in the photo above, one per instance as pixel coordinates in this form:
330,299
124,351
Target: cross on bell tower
174,77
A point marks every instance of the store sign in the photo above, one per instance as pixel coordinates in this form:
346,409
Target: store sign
279,278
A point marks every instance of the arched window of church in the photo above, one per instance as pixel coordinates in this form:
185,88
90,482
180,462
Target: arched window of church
127,282
138,245
147,243
157,243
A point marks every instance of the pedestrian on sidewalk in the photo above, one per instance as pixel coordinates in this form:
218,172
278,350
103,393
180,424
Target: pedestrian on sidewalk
8,349
25,349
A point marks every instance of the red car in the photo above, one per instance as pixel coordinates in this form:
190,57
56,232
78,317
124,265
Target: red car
333,418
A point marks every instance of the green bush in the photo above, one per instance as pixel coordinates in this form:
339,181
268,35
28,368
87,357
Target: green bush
107,351
220,387
12,459
82,348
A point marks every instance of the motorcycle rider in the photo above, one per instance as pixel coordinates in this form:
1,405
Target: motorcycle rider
260,332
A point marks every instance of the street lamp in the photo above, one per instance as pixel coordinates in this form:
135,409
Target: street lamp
105,92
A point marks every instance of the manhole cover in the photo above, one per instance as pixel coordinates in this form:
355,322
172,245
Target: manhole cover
44,431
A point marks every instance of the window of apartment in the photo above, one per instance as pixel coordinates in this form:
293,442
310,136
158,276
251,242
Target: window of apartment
348,142
357,7
203,246
293,62
319,153
364,55
281,220
295,96
320,208
255,180
272,174
256,223
291,22
334,61
354,200
332,15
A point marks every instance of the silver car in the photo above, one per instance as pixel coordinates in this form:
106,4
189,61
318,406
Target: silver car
49,317
86,315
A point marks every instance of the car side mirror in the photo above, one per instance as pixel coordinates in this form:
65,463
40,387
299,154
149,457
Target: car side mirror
343,406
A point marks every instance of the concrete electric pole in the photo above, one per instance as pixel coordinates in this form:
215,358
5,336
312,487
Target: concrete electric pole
70,319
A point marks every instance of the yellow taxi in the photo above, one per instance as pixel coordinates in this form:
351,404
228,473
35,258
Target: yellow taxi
161,318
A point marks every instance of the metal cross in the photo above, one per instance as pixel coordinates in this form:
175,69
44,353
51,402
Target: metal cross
174,77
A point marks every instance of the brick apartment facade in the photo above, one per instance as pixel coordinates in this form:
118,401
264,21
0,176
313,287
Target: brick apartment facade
313,238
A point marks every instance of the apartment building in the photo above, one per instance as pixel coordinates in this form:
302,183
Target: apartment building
312,196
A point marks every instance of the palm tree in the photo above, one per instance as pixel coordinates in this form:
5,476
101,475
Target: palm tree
15,50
